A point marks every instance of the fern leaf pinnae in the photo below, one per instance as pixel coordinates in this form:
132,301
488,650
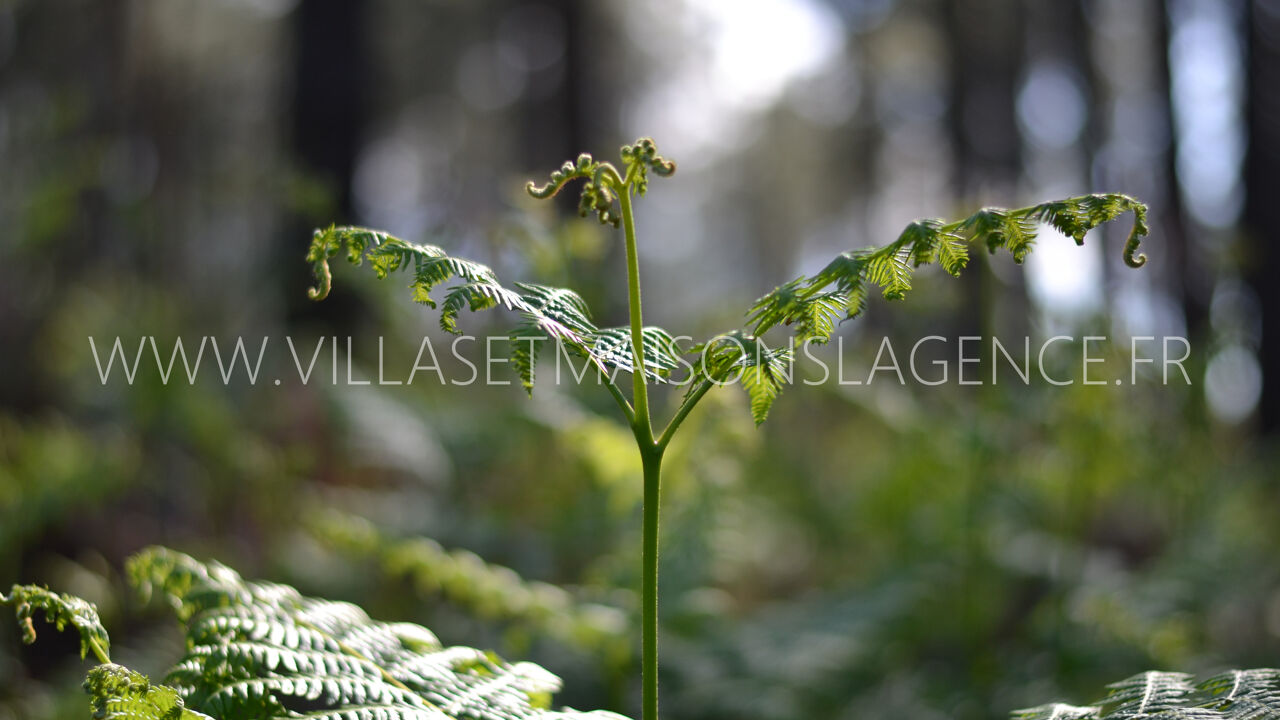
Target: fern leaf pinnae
264,650
61,610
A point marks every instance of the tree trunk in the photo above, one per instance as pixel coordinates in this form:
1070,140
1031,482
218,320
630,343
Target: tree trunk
1262,192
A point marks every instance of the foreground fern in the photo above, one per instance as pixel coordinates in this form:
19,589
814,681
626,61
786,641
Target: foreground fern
1232,695
810,305
261,650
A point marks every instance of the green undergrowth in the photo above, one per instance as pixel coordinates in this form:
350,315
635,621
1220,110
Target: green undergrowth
262,650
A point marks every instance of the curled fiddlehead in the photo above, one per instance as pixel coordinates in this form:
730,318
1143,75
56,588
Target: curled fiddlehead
604,182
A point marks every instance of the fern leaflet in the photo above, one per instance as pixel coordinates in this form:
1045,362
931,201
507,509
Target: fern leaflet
1149,693
1233,695
61,610
118,693
744,358
925,241
546,313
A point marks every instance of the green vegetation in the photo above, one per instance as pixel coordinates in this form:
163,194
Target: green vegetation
265,650
261,650
811,305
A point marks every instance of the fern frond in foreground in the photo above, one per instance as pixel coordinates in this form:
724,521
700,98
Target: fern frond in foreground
262,650
1232,695
118,693
61,610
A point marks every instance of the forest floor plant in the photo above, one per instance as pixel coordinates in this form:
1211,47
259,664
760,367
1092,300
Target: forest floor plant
262,650
810,305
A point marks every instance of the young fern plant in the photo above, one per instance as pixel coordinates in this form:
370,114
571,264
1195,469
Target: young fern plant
810,305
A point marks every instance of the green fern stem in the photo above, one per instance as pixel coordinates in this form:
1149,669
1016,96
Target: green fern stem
651,461
99,652
642,425
704,386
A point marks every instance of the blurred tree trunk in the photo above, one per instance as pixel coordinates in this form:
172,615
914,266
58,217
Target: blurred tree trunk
1262,191
330,80
53,193
985,44
986,59
1184,274
557,125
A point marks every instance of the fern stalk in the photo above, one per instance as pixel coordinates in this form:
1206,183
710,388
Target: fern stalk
643,424
651,461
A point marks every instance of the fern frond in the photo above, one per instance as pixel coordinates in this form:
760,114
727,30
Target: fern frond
891,272
546,313
490,591
562,306
642,157
1244,694
439,270
597,194
554,314
611,347
524,347
1148,693
1232,695
583,167
744,358
603,181
813,304
388,253
118,693
61,610
476,296
952,253
806,300
1056,711
263,650
813,315
996,228
1076,216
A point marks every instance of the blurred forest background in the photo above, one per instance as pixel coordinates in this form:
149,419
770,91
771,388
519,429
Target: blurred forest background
873,551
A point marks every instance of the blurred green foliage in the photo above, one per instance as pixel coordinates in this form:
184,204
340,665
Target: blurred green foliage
872,552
